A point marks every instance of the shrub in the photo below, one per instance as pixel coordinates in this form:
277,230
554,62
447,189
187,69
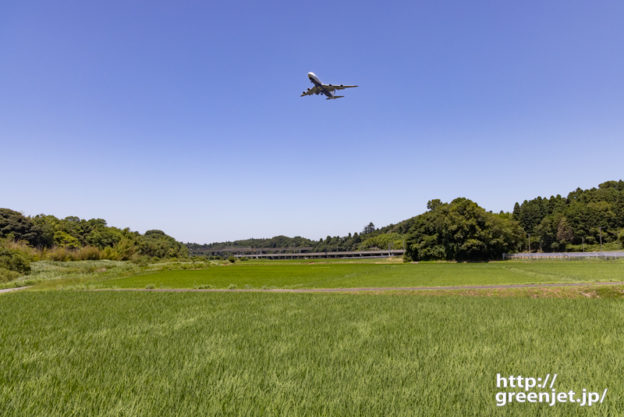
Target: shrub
140,260
14,260
6,275
58,254
22,246
110,253
87,253
232,259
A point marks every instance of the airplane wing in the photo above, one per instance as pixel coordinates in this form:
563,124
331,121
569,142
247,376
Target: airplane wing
310,91
331,87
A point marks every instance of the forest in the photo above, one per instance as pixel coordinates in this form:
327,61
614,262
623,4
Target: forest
584,220
591,217
44,237
461,230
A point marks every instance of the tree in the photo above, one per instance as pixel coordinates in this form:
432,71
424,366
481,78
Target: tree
564,232
369,228
16,226
65,240
461,230
157,244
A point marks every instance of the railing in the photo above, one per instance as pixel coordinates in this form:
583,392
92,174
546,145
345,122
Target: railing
565,255
350,254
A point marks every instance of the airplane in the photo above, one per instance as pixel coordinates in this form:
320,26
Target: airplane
320,88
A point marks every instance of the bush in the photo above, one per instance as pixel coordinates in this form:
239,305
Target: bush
21,246
110,253
59,254
87,253
6,275
232,259
140,260
14,260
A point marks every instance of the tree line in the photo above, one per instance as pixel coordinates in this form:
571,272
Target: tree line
462,230
584,219
285,244
26,238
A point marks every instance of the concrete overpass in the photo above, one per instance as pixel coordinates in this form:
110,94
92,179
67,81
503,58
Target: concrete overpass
314,255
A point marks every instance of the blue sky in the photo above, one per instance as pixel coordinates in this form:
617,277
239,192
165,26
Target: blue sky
186,116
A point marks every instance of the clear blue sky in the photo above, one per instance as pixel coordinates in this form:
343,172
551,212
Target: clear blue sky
186,116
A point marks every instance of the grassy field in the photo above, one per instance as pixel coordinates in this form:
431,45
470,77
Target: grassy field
72,353
349,275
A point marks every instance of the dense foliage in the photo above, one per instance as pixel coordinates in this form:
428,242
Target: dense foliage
279,244
584,217
276,243
72,238
13,263
463,231
460,230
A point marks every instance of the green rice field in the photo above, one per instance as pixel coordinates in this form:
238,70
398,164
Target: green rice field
77,352
350,275
82,353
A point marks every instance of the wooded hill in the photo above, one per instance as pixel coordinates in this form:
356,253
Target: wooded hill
24,239
75,238
463,230
590,219
584,217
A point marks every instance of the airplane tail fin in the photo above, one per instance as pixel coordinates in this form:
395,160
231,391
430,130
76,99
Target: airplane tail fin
334,97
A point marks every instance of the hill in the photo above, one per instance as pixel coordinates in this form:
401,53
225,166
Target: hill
580,221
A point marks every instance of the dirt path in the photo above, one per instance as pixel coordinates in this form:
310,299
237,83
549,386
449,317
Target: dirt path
12,289
373,289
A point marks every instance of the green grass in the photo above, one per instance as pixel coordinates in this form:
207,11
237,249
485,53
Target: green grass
69,353
83,274
349,275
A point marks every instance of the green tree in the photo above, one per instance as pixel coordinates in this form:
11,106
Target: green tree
461,230
16,226
369,228
65,240
564,232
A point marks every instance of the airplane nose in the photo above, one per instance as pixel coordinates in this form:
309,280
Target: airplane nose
311,74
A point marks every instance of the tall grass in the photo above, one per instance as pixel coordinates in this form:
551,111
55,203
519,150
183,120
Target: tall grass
86,253
147,354
84,274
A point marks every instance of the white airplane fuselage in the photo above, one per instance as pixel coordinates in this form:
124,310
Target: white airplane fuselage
315,80
324,89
